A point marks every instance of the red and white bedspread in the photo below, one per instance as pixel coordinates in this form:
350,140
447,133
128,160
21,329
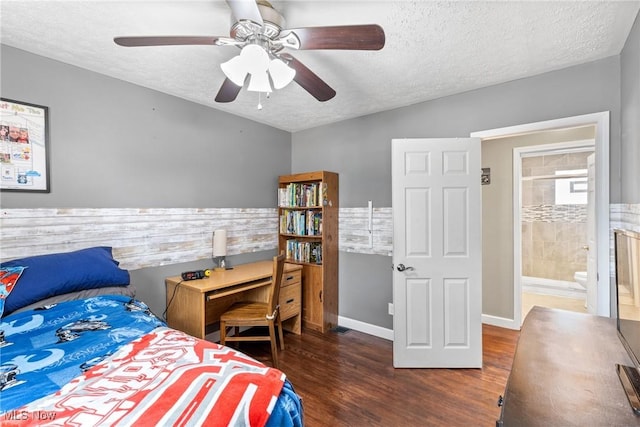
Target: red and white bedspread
164,378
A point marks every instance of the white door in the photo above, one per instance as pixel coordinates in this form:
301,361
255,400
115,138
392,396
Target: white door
592,246
437,253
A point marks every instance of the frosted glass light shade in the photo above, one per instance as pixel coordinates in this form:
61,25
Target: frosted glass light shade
281,74
235,70
259,82
255,58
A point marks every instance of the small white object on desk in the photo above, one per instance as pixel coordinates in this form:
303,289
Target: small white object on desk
220,247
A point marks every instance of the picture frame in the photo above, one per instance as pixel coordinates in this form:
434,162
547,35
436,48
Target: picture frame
24,147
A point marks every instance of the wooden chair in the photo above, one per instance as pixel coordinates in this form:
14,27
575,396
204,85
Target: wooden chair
251,314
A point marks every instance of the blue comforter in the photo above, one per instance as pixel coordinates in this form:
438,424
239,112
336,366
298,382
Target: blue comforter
41,350
44,349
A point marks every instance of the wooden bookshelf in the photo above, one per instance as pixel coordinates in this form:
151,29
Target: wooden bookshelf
308,234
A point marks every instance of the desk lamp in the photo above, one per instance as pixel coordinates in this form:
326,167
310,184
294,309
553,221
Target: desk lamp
220,248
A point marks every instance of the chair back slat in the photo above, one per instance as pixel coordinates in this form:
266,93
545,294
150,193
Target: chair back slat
274,294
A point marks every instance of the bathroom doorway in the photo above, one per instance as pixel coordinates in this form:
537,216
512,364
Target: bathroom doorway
556,225
506,260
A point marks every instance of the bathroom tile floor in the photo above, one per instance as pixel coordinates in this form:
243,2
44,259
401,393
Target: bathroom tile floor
628,310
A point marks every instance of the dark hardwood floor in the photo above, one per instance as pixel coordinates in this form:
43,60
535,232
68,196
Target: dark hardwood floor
348,379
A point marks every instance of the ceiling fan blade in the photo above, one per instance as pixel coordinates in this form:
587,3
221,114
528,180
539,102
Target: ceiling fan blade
228,91
245,10
349,37
309,80
165,40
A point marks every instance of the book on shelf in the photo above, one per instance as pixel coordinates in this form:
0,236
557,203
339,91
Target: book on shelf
301,194
302,223
310,252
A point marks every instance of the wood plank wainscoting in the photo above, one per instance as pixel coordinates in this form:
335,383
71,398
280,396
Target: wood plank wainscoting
159,236
139,237
152,237
353,231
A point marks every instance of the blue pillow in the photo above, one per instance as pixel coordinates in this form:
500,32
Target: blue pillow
46,276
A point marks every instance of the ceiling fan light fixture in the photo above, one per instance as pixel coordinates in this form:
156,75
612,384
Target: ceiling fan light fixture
255,58
259,82
259,30
281,74
235,70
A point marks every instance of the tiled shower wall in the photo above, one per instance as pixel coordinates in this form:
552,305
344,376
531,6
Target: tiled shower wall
625,216
553,235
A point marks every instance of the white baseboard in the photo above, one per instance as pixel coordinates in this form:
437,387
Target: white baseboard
387,334
501,322
367,328
357,325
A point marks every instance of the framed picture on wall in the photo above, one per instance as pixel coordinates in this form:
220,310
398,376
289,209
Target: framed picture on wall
24,146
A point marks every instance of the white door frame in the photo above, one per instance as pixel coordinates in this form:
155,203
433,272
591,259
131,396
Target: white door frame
518,153
601,121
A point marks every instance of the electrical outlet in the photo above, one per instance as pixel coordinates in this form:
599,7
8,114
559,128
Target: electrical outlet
391,308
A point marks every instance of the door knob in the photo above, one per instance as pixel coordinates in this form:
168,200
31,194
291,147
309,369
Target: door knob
401,267
585,247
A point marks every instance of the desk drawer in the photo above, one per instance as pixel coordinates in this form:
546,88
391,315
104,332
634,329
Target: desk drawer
291,278
290,297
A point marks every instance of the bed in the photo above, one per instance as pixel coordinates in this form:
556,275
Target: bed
77,348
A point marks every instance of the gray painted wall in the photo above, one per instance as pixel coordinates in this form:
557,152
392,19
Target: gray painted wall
360,151
118,145
630,98
115,144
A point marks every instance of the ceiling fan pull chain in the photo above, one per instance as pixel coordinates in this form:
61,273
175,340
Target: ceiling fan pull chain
267,94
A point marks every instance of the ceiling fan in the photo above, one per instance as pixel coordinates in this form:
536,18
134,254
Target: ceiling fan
258,29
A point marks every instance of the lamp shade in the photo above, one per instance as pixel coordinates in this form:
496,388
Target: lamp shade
259,82
281,74
235,70
255,58
220,243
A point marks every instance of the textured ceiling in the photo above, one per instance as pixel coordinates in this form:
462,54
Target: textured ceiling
433,49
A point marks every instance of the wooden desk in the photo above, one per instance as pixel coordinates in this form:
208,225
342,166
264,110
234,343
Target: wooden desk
564,373
195,305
